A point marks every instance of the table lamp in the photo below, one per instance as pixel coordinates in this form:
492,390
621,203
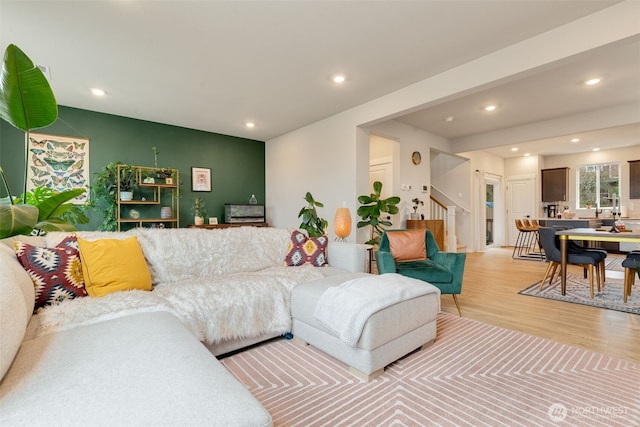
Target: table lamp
342,224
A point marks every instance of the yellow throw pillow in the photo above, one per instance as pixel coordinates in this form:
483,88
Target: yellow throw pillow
112,265
407,245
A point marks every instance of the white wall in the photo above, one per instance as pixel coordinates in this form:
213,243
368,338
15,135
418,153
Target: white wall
411,139
330,157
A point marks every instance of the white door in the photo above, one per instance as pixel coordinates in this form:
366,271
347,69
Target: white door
382,170
520,203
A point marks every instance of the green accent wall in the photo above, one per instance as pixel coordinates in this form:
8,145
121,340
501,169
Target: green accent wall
237,164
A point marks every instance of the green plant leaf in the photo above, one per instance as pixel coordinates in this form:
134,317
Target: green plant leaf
26,99
54,224
49,206
377,187
17,219
394,200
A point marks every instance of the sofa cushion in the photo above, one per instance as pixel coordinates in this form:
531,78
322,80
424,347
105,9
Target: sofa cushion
144,369
426,270
177,254
56,272
407,245
112,265
16,305
306,250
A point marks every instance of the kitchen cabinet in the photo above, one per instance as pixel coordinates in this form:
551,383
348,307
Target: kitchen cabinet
555,184
634,179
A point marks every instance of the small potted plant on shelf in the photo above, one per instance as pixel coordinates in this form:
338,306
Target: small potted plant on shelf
416,202
128,182
199,211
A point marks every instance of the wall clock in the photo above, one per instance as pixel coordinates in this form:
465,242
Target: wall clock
416,158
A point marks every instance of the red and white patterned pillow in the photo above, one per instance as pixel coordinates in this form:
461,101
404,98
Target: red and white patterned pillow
56,272
306,250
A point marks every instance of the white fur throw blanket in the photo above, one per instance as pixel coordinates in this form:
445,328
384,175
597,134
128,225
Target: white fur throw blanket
346,308
217,308
223,284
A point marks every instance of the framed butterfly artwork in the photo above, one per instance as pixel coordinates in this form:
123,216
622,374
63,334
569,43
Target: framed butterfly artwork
60,163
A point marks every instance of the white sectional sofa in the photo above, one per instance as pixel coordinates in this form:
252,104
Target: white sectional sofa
137,357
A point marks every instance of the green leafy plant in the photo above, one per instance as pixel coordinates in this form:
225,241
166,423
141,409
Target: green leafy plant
26,99
54,211
371,209
128,178
199,209
105,193
311,222
26,102
14,219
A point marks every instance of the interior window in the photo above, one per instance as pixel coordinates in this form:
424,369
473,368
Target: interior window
597,184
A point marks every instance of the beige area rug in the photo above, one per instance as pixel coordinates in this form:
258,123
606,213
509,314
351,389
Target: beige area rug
475,374
611,297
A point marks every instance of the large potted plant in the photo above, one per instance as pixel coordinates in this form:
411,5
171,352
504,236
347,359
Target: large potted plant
315,225
372,209
26,102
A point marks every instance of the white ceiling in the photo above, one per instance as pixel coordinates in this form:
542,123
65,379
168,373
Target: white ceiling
212,65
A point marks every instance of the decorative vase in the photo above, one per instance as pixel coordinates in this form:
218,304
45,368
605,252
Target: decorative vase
198,220
126,195
165,212
415,215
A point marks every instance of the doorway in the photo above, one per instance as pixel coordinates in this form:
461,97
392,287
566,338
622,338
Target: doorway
492,207
488,188
383,153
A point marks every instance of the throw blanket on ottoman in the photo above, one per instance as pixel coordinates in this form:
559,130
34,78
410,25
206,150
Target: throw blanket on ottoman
346,308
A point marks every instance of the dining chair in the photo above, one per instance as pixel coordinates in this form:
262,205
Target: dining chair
551,245
631,266
600,253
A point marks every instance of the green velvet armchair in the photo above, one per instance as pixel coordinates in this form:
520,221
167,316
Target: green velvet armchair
443,270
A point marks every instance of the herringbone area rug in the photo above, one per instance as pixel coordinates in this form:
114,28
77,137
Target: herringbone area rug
475,374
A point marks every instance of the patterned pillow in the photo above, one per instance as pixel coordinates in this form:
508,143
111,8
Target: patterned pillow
306,250
56,272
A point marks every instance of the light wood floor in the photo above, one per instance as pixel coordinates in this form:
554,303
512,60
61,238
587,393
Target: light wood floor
492,280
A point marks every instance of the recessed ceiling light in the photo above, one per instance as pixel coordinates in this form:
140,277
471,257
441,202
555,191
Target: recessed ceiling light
593,81
490,107
339,78
97,92
575,140
596,149
250,124
448,119
527,154
515,149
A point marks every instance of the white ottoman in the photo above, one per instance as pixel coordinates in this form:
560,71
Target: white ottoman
388,334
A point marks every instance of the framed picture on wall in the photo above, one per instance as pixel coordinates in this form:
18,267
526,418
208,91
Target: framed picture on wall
200,179
59,163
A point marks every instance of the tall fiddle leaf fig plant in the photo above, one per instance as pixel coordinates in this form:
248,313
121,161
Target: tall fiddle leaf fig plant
26,102
372,209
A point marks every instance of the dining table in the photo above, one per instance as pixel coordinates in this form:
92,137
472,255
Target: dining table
590,235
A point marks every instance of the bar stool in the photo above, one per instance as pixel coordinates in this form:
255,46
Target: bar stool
527,240
631,265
